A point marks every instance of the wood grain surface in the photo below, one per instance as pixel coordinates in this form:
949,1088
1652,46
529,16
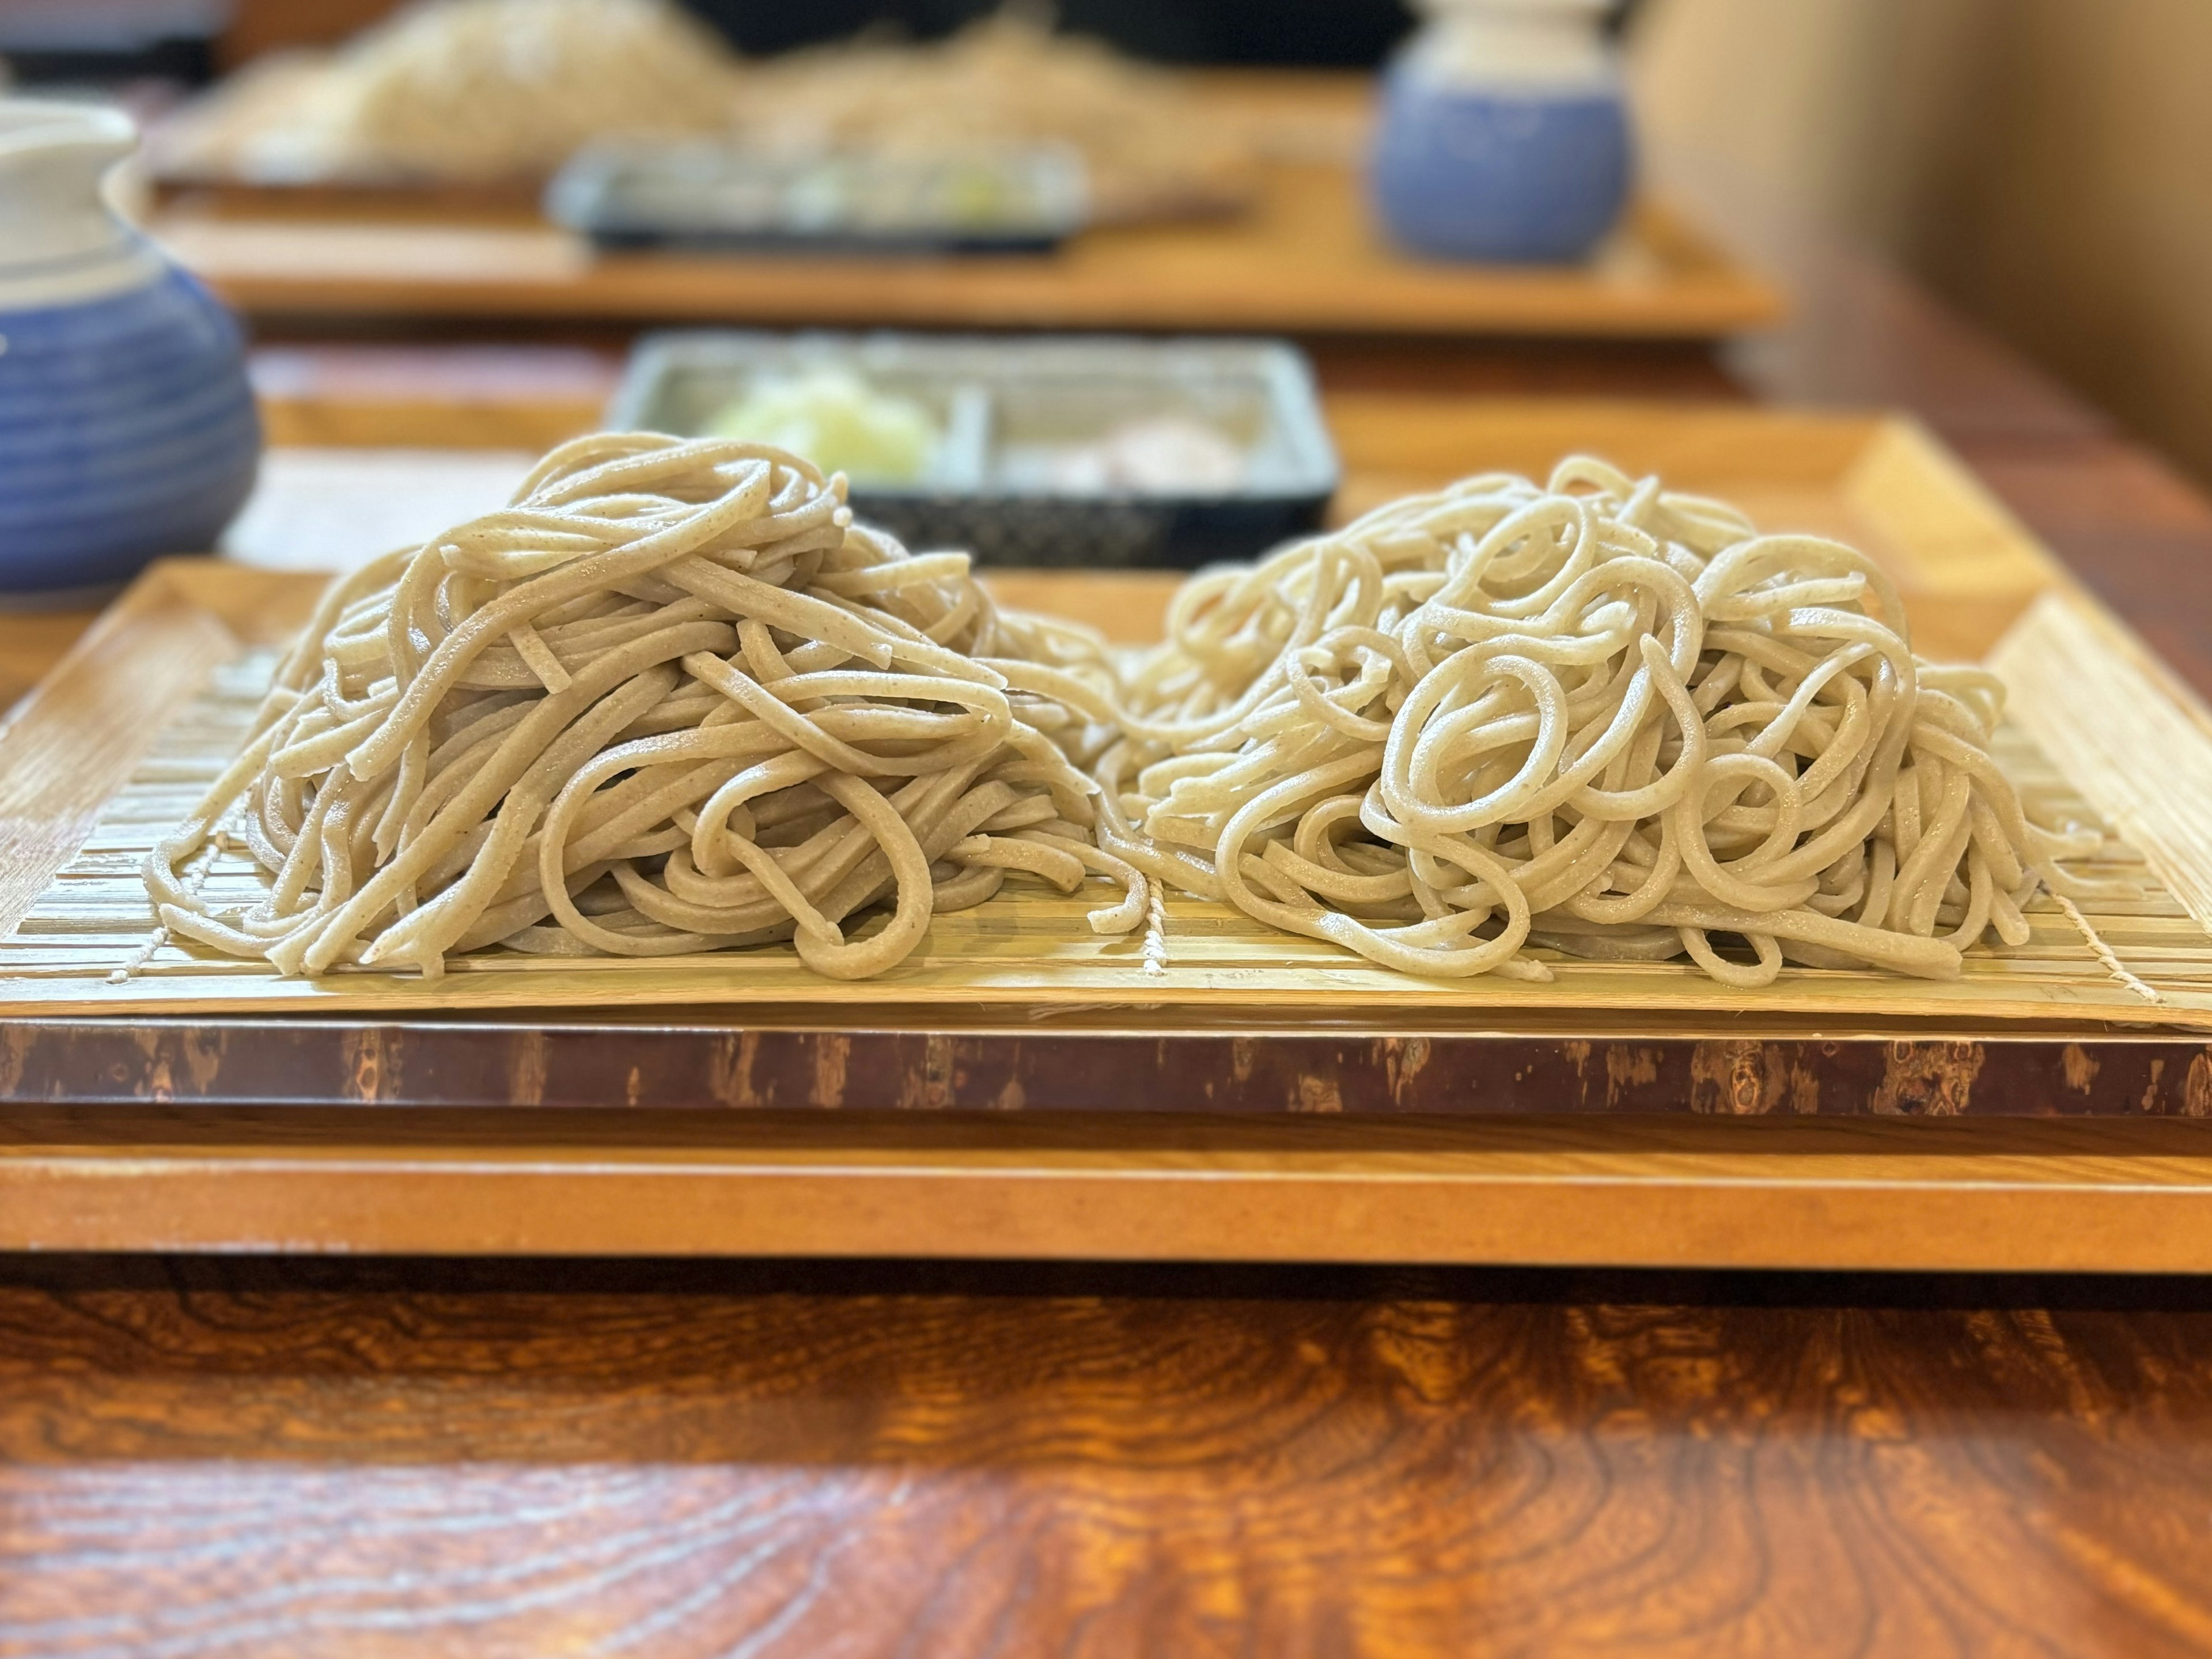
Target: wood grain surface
1975,1196
81,733
221,1459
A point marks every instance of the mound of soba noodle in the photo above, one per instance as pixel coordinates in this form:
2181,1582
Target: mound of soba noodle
1152,145
1592,715
671,699
476,91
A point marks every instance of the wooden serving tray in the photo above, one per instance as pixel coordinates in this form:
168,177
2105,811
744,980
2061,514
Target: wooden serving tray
1304,260
176,672
733,1104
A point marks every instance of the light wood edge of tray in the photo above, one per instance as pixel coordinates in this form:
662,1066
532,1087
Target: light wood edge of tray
1907,480
2130,739
2098,703
74,739
1657,1197
275,265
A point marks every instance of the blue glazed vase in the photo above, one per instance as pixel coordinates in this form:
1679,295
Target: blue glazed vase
127,428
1504,134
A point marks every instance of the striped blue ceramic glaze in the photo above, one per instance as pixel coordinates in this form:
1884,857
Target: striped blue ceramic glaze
1504,135
127,428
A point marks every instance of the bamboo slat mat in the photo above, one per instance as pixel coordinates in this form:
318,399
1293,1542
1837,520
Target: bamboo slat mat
122,738
90,942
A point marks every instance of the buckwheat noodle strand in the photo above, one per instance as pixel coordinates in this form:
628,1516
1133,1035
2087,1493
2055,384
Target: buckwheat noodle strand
669,700
1592,715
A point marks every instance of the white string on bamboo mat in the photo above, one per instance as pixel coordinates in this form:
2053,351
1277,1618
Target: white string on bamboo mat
2104,952
1156,930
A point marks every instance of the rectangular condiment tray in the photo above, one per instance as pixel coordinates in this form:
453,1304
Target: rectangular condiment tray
1029,467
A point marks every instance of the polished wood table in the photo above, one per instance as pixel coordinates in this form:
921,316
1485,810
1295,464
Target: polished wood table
230,1457
212,1456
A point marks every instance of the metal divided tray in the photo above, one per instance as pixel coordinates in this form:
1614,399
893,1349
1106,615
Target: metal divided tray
1070,451
1026,199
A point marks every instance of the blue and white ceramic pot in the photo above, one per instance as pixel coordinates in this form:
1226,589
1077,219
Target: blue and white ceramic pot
1504,134
127,429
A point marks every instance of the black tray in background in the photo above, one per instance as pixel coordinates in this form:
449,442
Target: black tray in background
1259,393
721,196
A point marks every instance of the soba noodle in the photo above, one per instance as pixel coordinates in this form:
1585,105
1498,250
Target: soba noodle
469,91
669,700
673,700
1151,145
487,92
1594,716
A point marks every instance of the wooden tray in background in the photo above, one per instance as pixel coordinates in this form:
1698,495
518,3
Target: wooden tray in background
1304,260
735,1104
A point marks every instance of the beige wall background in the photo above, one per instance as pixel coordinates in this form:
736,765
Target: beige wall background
2046,164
